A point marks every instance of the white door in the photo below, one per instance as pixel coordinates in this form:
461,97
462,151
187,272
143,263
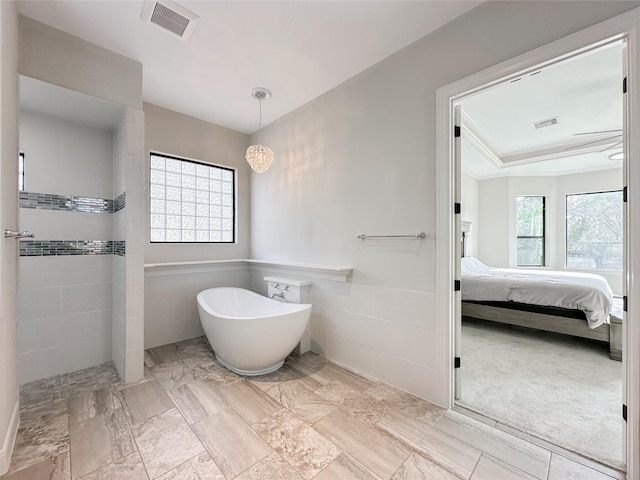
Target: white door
457,248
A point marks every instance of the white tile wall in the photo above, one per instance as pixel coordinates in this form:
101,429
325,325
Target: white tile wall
406,307
58,225
408,376
375,333
65,326
66,302
170,307
353,355
70,158
418,346
384,333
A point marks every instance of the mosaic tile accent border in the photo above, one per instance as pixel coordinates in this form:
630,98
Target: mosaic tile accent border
64,203
119,247
120,202
47,248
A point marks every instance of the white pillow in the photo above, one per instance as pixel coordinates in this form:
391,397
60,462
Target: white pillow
472,265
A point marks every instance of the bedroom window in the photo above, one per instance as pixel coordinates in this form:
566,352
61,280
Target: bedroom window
190,201
530,231
595,230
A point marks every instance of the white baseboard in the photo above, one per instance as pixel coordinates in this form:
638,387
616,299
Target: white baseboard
9,439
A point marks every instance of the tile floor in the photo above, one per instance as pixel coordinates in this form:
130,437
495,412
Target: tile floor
190,418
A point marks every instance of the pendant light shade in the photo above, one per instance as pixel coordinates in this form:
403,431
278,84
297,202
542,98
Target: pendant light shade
259,157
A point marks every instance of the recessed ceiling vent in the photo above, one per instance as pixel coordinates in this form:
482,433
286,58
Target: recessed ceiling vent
170,17
545,123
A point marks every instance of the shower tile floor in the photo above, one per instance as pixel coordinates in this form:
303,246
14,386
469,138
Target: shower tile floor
190,418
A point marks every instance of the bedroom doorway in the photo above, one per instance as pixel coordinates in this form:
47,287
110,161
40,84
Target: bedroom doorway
541,186
623,28
555,386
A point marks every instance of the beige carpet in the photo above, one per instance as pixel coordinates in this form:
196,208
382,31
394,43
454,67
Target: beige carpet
558,388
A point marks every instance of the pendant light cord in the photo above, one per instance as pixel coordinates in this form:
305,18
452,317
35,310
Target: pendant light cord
260,121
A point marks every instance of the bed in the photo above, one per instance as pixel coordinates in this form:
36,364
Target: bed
570,303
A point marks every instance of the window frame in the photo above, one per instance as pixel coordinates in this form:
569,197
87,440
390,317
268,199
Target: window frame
566,230
543,236
234,191
21,185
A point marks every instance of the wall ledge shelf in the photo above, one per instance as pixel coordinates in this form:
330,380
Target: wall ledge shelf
328,272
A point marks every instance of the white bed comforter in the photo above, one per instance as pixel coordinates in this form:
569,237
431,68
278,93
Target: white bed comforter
583,291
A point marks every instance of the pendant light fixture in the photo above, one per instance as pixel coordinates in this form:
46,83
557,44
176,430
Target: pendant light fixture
259,156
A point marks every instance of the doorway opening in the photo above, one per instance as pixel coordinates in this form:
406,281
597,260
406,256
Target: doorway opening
540,178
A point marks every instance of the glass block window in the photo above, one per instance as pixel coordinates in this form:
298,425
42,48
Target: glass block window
191,201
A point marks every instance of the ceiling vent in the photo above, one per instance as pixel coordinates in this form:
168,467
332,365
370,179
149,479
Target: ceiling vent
170,17
545,123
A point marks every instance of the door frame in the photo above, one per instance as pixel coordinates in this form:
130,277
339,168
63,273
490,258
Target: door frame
625,26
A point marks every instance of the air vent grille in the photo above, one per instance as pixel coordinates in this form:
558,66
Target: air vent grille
545,123
170,17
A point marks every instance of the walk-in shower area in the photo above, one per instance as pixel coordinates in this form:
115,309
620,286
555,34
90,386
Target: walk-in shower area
81,275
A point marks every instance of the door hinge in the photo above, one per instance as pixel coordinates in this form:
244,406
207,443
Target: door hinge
624,303
624,85
456,285
457,208
456,131
624,412
456,363
624,194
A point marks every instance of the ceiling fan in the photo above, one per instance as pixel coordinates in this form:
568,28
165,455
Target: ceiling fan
615,134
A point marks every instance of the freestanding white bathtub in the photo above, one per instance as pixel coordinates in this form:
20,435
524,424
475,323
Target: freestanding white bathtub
250,334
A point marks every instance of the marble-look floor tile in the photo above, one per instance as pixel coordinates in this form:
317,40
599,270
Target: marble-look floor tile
554,449
198,468
196,401
52,468
232,444
352,402
379,453
284,374
345,467
417,467
445,450
99,441
298,443
489,468
165,441
251,403
129,468
215,374
272,467
562,468
86,405
43,434
301,401
522,455
172,375
144,400
309,359
403,402
159,355
328,373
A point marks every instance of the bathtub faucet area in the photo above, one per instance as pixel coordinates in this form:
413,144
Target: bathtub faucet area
251,334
